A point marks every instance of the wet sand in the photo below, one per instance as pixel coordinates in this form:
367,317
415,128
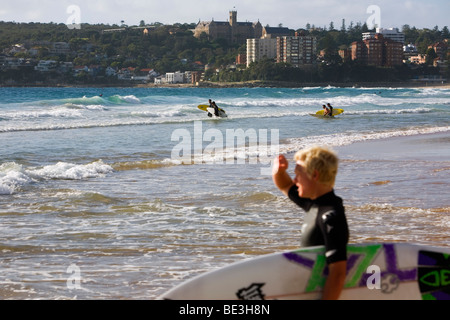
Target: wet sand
435,146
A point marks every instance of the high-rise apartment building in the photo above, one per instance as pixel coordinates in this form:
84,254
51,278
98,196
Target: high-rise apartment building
378,51
261,48
297,50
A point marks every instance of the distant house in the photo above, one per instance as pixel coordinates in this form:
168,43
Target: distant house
410,49
198,65
46,66
418,59
110,72
149,73
65,67
79,69
59,48
126,73
17,48
160,79
94,70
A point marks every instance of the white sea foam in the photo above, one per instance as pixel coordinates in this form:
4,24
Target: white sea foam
64,170
13,176
130,99
95,100
36,114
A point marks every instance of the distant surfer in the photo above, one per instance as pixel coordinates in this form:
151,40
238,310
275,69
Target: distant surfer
325,223
326,111
330,108
216,109
212,104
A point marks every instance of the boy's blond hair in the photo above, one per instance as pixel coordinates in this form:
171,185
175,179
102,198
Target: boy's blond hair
321,159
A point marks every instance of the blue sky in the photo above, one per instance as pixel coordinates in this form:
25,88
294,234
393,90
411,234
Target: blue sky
291,13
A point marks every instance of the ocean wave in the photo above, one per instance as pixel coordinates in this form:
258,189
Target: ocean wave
130,99
161,114
36,114
391,111
14,176
70,171
85,107
363,100
95,100
66,118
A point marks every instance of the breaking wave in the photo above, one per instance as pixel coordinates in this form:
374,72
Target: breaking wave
14,176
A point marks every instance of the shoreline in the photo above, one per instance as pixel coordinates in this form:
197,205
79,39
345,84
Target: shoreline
246,84
418,146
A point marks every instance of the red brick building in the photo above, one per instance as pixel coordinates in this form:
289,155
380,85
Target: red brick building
378,51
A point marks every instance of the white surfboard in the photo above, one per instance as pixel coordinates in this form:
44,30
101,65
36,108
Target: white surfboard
222,113
386,271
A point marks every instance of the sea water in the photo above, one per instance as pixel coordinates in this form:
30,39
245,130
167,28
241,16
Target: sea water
122,193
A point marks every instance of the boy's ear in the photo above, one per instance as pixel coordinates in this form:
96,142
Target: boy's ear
316,175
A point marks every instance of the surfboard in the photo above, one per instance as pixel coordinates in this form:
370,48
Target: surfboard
335,112
379,271
222,113
321,116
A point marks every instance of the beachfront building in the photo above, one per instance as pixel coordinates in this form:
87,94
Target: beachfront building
174,77
233,31
258,49
297,50
378,51
390,33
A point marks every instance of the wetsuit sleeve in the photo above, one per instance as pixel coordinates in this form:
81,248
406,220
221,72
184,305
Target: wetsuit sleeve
303,203
335,232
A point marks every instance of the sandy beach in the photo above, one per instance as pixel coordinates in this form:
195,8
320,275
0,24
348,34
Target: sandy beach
410,171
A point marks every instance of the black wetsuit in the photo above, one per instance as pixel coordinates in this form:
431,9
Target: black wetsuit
216,110
324,224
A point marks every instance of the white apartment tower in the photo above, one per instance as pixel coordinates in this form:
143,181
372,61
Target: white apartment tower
258,49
